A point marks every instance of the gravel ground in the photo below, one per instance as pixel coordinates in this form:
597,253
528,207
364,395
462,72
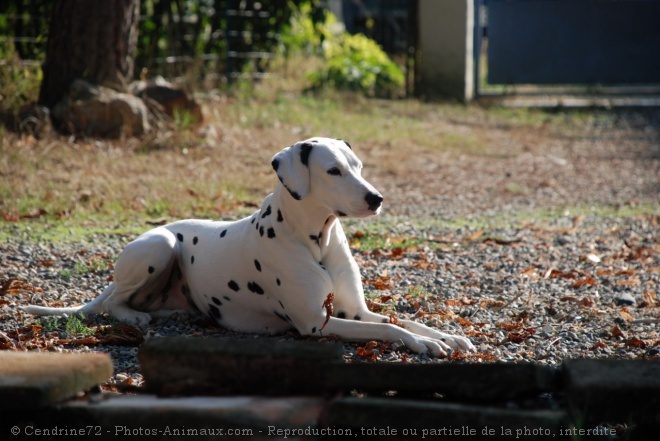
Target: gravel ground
540,290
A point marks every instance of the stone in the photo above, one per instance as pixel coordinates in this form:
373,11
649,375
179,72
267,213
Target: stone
197,366
92,110
170,99
383,418
144,416
617,391
33,380
489,381
625,299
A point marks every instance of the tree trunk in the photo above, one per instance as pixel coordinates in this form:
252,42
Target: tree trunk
90,40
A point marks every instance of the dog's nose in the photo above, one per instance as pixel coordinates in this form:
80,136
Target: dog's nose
374,200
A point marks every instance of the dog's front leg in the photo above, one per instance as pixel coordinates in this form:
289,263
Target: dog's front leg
364,331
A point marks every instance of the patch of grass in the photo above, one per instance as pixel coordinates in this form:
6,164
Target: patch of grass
366,241
73,326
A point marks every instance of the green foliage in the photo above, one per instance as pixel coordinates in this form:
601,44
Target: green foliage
66,327
19,82
351,62
355,62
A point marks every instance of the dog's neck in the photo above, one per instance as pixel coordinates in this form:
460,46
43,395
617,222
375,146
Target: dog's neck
305,218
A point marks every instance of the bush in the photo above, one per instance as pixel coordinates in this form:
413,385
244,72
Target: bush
19,82
351,62
356,62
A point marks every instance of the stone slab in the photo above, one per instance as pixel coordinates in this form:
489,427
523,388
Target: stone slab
392,419
183,418
485,382
208,366
32,380
613,390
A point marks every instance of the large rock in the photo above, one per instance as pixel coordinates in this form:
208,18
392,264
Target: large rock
93,110
169,98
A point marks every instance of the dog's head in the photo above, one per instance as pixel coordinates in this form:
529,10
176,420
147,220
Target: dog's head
327,170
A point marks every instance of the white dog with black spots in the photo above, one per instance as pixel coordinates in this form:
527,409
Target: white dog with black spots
271,271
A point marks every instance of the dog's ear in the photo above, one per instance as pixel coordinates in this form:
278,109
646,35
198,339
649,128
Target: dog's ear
291,166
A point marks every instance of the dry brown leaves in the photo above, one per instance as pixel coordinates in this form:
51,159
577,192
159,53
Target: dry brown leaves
35,337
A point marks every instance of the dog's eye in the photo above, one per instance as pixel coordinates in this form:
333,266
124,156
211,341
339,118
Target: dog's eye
334,171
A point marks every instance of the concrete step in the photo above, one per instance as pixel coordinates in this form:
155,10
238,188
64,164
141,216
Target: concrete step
614,390
33,380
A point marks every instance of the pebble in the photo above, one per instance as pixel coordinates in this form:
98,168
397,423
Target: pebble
624,299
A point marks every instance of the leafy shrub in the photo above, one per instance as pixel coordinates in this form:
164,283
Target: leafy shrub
351,62
356,62
19,82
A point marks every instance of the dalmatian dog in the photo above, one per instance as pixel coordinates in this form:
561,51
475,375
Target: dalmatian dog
286,266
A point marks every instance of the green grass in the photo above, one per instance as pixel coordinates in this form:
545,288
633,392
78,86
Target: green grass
70,327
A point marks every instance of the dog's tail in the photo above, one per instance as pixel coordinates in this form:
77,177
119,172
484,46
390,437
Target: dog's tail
93,307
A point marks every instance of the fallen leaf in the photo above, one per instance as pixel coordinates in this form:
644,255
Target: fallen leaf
628,282
329,308
616,332
582,282
635,342
626,315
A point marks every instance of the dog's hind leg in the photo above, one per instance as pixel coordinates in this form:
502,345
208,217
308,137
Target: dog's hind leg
142,276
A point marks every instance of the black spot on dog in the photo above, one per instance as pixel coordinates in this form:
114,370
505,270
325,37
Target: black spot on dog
316,239
279,216
314,330
305,150
341,315
280,315
257,265
192,259
227,298
179,236
281,304
261,231
293,194
222,234
215,312
255,288
341,214
357,317
151,270
216,300
257,226
253,219
195,240
266,213
271,233
233,286
278,282
346,142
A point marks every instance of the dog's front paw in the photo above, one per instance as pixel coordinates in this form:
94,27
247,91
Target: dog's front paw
456,342
425,345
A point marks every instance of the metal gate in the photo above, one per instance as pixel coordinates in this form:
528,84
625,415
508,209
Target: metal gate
567,42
